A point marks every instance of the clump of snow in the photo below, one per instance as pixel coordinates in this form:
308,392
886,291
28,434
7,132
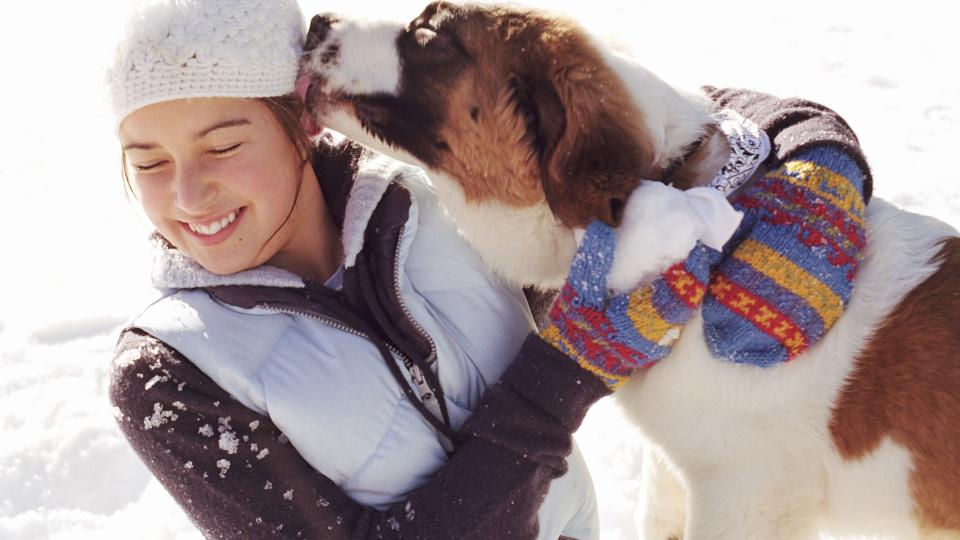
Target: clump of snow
127,358
229,442
153,381
224,466
159,417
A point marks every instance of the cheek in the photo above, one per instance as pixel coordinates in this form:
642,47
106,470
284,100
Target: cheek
154,197
267,184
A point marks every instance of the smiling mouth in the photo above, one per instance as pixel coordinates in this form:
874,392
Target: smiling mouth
216,230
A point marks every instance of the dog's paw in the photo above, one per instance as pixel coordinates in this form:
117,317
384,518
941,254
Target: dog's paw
661,225
654,529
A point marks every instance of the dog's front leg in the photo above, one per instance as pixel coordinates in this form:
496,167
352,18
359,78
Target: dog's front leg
663,508
750,503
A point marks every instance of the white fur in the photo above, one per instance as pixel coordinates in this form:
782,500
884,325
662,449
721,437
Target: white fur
752,443
749,445
665,509
523,245
672,118
368,62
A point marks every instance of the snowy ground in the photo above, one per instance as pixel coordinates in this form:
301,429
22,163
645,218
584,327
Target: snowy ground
75,262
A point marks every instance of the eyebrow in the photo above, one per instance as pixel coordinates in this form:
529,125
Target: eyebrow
197,136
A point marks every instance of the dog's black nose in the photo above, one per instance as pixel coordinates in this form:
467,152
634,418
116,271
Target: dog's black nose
319,28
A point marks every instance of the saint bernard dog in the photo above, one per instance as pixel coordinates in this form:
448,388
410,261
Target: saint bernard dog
531,129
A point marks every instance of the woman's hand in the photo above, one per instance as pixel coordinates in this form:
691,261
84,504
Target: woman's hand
612,333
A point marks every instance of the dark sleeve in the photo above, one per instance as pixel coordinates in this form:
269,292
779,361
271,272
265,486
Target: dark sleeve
794,125
236,475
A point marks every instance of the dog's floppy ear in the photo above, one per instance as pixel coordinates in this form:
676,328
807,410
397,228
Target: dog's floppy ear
590,139
542,110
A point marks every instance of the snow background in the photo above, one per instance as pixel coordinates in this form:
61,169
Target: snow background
75,264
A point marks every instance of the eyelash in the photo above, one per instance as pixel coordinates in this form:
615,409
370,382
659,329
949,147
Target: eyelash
227,150
140,168
220,152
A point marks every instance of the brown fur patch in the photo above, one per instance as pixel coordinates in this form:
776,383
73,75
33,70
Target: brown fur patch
489,155
538,115
906,386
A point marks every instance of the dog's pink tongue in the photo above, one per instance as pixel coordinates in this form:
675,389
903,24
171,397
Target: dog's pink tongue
303,84
307,120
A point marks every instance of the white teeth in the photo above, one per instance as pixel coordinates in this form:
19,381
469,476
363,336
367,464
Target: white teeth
215,227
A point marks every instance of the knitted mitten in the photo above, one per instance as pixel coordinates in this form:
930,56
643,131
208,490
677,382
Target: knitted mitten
613,334
788,271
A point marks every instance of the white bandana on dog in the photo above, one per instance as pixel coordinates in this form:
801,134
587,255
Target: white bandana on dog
749,147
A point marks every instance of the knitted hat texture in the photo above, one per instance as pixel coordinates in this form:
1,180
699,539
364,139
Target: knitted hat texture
206,48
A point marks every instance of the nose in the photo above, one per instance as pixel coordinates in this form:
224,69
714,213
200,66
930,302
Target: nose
193,192
319,29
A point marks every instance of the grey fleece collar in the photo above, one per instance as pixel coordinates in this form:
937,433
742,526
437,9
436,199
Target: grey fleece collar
172,269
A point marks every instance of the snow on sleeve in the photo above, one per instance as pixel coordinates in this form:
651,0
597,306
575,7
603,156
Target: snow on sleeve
228,467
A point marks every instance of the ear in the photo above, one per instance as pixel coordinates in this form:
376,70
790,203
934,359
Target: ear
545,118
594,152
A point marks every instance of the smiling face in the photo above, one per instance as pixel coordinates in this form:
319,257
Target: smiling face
221,181
518,107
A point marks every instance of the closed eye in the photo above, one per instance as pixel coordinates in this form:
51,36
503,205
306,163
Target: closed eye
424,35
226,150
147,168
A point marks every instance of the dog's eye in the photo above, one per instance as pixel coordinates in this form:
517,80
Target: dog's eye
429,43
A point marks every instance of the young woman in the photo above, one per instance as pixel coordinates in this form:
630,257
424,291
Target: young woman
322,361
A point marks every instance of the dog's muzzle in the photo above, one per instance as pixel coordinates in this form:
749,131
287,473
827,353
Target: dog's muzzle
319,30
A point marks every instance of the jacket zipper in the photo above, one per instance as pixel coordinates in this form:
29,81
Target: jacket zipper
334,323
427,396
403,306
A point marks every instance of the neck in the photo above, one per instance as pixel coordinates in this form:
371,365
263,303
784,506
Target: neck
313,249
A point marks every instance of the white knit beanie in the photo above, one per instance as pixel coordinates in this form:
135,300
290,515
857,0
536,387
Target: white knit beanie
206,48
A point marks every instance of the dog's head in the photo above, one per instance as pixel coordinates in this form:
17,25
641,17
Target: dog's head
516,106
